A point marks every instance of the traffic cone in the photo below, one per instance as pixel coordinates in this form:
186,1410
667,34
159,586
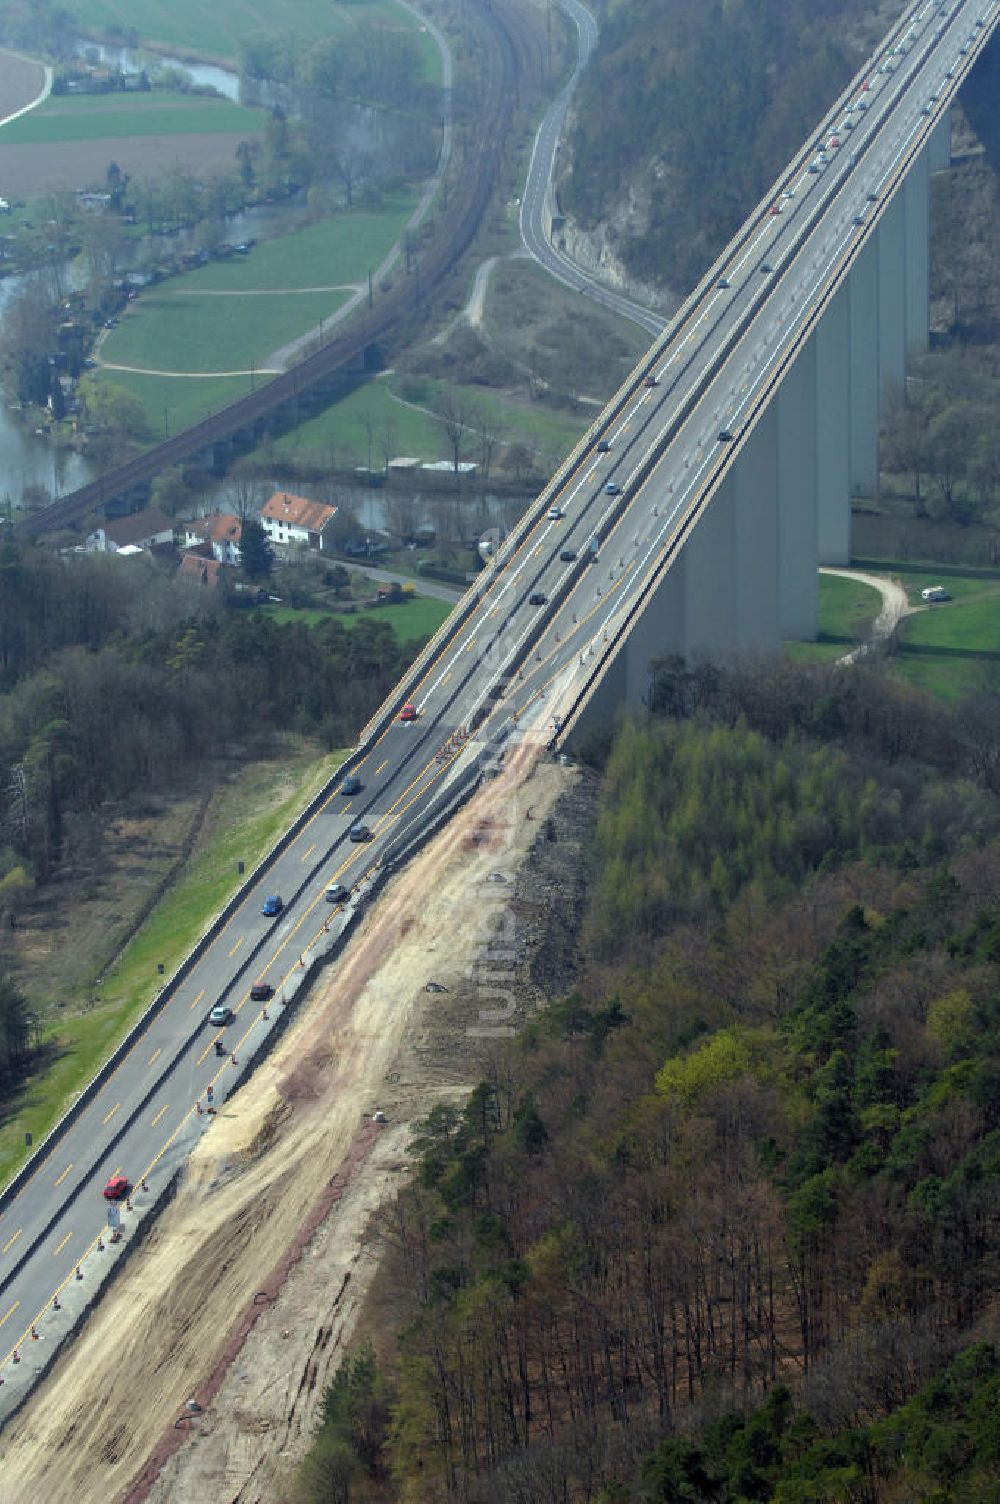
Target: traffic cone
198,1108
265,1015
55,1303
79,1271
15,1356
34,1334
143,1184
233,1060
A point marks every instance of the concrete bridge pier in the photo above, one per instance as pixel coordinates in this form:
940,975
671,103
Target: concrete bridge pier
834,355
863,384
917,254
745,577
798,494
939,145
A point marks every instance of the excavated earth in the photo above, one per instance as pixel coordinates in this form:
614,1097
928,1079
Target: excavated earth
254,1279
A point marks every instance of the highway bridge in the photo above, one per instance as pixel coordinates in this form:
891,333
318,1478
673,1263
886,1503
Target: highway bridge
692,515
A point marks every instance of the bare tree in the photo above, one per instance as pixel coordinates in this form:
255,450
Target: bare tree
455,415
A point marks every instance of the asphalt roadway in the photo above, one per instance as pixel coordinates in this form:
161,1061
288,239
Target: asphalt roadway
513,669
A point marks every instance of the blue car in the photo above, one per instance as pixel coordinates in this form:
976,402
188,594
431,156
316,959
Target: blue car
352,784
272,906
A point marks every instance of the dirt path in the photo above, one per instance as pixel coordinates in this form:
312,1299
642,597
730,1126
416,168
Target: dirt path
895,605
185,1318
287,354
108,365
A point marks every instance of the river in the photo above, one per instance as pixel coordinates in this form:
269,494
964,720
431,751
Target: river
28,459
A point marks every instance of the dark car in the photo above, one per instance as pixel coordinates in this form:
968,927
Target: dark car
272,906
725,437
260,992
337,893
536,598
220,1015
612,488
603,446
352,784
117,1188
765,267
568,555
361,832
650,381
724,283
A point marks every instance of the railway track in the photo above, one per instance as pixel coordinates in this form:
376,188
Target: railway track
512,55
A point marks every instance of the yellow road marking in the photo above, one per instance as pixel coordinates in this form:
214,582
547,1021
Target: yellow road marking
236,946
447,676
348,805
155,1053
307,854
193,1005
10,1312
11,1241
62,1177
381,766
158,1116
108,1116
57,1251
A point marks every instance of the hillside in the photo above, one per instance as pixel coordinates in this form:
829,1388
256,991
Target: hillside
714,1223
687,112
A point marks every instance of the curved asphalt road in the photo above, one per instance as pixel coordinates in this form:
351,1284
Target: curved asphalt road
538,189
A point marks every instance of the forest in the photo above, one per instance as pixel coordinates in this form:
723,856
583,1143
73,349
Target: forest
118,682
768,67
721,1224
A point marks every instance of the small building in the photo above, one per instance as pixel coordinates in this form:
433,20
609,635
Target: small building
221,531
141,530
286,519
201,571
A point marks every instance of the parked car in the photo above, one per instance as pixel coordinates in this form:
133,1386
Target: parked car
260,992
272,906
935,593
220,1015
117,1188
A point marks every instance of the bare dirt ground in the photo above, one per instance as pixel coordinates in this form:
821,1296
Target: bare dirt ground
44,166
296,1145
21,82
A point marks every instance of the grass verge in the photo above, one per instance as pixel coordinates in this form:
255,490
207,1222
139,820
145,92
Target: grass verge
248,815
98,117
846,611
170,403
410,620
218,29
178,331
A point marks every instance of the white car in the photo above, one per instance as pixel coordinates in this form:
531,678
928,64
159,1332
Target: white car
555,514
935,593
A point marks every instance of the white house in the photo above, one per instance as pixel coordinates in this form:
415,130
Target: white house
220,531
295,519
